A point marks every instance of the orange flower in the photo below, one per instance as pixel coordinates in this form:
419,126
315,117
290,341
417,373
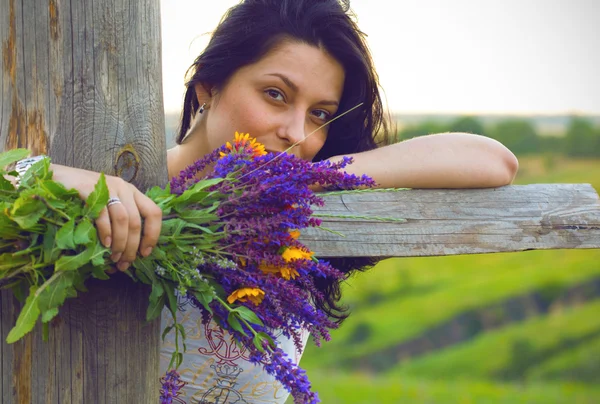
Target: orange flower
294,234
285,272
243,141
255,295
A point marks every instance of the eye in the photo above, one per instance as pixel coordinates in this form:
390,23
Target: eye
275,94
322,115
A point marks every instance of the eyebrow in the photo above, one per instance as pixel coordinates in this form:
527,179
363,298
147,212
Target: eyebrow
294,87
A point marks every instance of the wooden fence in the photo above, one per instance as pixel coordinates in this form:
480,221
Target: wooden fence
81,82
460,221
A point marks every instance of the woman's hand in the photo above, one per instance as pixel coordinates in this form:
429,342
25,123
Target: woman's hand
120,224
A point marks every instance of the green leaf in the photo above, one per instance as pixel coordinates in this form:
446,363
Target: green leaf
84,232
157,291
99,273
157,301
49,314
98,199
178,359
145,271
157,192
64,236
205,299
27,210
27,318
170,290
264,335
53,296
258,343
197,216
73,262
248,315
193,194
8,261
5,184
155,308
165,332
9,230
40,170
58,190
79,278
20,290
72,293
98,258
12,156
48,245
235,323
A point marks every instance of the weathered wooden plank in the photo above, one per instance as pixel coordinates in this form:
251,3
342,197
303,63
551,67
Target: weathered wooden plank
81,81
466,221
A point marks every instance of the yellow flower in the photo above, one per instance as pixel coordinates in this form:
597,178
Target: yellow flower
255,295
294,234
268,269
288,273
294,253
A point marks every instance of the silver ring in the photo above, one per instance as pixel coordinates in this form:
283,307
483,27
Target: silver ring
113,201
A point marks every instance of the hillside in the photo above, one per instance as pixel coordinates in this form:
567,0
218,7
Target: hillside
494,328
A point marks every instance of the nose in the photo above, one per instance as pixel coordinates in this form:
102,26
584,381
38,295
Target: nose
292,128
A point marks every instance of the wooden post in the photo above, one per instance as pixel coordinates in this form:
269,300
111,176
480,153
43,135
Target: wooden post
81,81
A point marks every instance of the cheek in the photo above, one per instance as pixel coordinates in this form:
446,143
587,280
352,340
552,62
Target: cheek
246,114
313,145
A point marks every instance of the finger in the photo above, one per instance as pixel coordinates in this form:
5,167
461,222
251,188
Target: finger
119,222
104,229
152,215
134,231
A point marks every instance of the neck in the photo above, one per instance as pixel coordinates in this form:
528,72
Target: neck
193,147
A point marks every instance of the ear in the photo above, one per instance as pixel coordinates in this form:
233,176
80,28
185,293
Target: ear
203,94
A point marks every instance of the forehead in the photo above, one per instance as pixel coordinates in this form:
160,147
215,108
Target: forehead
311,68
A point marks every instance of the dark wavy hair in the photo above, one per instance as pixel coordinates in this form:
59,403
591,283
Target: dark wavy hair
248,31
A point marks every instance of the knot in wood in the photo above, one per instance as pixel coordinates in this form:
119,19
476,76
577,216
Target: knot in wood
127,164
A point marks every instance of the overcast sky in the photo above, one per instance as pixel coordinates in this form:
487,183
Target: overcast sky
444,56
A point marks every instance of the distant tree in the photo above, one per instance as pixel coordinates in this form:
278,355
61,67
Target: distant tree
552,144
424,128
518,135
582,139
467,124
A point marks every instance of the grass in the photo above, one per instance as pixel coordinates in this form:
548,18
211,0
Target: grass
339,388
518,349
450,285
401,298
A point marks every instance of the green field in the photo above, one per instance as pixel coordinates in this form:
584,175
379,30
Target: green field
548,357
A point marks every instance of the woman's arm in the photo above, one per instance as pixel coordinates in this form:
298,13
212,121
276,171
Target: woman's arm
445,160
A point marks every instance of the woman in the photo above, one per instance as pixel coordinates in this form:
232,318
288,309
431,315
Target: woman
279,70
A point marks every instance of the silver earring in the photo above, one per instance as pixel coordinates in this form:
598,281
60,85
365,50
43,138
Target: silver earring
201,110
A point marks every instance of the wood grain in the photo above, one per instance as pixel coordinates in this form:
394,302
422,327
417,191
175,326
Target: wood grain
465,221
81,81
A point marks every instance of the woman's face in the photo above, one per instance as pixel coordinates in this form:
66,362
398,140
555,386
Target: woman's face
279,100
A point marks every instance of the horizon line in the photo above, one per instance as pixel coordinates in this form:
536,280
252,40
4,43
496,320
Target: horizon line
471,113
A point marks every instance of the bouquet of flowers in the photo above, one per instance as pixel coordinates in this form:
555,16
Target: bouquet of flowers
229,241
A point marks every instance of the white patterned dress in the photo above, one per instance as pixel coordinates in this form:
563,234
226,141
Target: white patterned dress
215,369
